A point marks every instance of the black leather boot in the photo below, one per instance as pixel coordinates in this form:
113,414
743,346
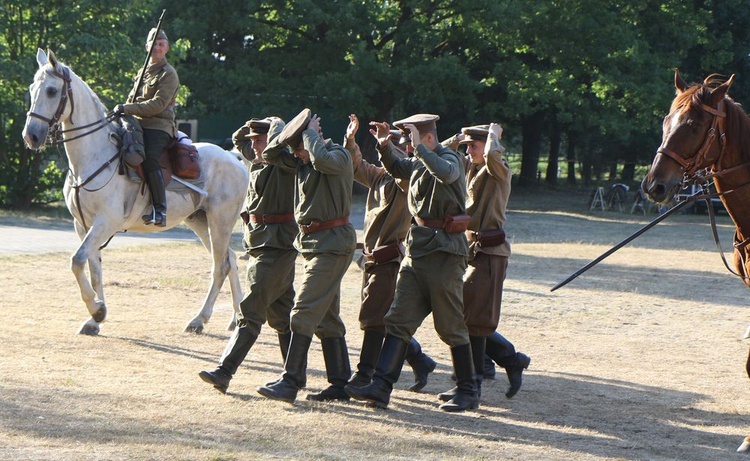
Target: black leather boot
284,339
295,369
158,216
239,345
477,353
420,363
466,390
372,342
338,370
489,368
387,371
504,354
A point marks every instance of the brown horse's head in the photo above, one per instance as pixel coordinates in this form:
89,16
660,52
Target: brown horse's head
691,138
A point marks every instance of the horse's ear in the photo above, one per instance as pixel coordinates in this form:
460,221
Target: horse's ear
679,83
41,58
720,91
52,58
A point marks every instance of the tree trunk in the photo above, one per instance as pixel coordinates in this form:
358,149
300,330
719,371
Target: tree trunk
531,145
571,158
628,172
613,172
554,154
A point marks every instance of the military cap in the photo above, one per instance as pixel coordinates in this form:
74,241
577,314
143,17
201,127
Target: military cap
291,135
475,133
398,137
257,126
421,121
162,35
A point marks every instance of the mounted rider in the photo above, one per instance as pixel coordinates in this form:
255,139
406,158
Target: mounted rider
152,103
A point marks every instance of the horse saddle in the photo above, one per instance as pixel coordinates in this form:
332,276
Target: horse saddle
179,158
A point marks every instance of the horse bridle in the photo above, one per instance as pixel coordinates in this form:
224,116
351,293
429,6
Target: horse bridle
54,133
699,161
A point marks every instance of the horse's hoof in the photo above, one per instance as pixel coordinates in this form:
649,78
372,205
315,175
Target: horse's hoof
745,445
89,328
100,314
197,329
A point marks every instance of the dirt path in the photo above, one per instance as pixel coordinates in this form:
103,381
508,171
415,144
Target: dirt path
640,358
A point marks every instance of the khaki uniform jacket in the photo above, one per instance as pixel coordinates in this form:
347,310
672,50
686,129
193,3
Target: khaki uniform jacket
154,105
488,191
387,217
323,192
436,188
271,191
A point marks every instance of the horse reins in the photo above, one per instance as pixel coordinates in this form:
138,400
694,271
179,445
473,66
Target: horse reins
55,134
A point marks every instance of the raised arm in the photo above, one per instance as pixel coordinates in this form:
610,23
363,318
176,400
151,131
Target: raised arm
497,166
276,153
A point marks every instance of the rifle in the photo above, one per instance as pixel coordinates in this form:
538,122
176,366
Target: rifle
139,80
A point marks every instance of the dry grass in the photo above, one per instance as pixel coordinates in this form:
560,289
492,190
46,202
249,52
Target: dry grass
640,358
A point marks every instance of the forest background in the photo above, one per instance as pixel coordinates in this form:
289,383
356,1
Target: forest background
580,86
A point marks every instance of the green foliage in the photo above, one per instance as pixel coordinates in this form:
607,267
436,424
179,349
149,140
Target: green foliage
597,71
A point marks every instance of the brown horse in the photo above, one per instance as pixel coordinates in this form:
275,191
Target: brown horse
707,135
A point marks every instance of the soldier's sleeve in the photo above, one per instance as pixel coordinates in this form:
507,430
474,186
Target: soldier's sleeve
244,145
497,166
276,153
396,165
166,90
451,143
328,161
445,169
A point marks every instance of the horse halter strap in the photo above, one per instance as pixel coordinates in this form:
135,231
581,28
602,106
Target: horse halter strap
699,161
67,94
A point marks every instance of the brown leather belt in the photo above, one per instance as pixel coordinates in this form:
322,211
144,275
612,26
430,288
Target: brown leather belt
271,218
317,226
433,223
385,253
486,238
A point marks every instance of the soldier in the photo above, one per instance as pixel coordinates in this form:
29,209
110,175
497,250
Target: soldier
153,106
386,224
326,242
269,231
488,180
430,278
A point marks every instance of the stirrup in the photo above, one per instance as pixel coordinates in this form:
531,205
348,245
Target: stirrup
157,218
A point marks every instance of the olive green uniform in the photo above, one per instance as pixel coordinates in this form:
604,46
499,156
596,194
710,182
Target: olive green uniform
153,106
323,193
431,275
270,271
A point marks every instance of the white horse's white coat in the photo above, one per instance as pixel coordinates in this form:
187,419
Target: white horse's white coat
110,202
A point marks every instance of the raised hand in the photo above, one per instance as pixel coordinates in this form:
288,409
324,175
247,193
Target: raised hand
381,131
353,127
497,129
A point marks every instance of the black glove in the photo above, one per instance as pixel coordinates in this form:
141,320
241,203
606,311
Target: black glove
119,110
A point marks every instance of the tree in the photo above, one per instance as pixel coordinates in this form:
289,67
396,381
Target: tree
90,36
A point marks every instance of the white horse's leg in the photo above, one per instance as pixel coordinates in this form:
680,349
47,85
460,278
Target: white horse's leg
88,252
224,264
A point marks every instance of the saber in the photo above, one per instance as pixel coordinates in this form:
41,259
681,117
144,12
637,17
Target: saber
671,211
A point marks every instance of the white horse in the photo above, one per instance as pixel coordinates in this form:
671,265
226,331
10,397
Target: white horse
103,202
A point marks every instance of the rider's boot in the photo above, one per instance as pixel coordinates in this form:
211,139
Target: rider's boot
158,215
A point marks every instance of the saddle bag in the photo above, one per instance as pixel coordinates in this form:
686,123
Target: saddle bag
184,160
131,141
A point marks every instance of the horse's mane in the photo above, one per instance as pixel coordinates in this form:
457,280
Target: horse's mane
737,123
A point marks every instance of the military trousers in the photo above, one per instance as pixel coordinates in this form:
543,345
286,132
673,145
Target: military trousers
270,289
378,288
430,284
316,309
483,293
154,142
